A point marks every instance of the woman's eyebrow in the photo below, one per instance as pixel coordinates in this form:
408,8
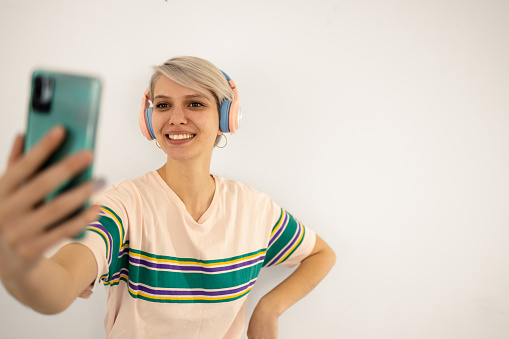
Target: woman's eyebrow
197,96
190,96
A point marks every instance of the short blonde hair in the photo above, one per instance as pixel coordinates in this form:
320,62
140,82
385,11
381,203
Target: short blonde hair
195,73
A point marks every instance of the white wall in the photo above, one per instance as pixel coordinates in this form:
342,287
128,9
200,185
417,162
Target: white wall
384,126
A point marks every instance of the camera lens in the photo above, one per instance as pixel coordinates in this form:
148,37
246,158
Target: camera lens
42,94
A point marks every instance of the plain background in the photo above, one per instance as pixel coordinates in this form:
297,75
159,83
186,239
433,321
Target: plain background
382,125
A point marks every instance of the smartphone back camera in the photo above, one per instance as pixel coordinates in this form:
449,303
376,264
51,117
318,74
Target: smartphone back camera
43,94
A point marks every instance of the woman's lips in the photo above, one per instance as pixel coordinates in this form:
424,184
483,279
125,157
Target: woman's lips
179,138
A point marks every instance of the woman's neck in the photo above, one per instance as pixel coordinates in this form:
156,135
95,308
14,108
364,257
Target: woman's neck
193,184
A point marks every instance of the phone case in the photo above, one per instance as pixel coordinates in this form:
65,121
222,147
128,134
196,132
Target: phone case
68,100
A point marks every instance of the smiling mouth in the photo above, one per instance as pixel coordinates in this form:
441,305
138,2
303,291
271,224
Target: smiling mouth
180,136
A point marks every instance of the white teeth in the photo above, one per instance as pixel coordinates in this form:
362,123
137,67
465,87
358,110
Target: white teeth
180,136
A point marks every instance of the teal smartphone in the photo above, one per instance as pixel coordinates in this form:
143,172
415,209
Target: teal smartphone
69,100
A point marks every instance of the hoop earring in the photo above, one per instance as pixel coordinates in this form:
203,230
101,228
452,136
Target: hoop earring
157,144
225,141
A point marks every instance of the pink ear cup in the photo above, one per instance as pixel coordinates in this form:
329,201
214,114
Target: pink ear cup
233,116
142,118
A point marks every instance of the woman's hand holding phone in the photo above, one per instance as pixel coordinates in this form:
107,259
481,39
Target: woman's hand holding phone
28,225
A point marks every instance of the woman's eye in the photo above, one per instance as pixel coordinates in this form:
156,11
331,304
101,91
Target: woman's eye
196,104
162,105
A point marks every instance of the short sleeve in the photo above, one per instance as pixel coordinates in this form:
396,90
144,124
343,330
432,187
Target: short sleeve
106,238
290,242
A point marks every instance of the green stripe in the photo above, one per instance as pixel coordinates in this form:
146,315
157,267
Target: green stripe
298,244
279,220
283,240
119,219
169,279
113,230
154,278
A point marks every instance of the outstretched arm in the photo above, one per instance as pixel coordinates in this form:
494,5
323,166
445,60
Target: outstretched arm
264,320
46,285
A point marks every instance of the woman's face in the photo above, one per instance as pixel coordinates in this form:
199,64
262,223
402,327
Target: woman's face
185,122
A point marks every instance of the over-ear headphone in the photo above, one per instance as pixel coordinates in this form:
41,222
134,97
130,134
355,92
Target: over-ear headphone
229,113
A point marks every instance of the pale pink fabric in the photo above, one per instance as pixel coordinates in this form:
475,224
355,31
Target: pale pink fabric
238,221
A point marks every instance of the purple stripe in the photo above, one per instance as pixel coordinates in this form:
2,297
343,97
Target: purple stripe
124,251
190,292
118,274
101,227
184,292
117,223
194,268
285,250
280,230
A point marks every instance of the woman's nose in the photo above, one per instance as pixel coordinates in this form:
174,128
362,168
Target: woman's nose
177,116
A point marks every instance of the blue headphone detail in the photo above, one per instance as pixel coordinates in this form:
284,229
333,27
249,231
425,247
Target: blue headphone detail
229,113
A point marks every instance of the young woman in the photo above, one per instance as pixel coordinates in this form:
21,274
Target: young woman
178,249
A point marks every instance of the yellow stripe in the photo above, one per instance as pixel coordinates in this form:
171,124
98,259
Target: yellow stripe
195,263
282,218
294,246
111,282
105,238
125,278
190,298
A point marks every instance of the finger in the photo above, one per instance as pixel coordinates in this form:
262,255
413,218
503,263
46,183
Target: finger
49,180
29,163
37,246
16,153
17,150
49,214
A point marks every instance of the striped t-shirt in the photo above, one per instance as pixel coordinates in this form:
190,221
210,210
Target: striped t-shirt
170,276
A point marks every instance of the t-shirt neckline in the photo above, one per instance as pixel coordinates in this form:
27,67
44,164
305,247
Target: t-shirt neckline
180,203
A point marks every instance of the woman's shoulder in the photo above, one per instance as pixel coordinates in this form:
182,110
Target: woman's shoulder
247,199
241,189
235,184
128,188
